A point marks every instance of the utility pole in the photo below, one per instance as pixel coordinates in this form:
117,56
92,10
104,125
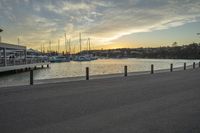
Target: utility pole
198,34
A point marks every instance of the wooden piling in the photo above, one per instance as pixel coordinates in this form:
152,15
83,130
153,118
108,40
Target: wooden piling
87,73
31,77
152,69
171,68
125,71
193,65
184,66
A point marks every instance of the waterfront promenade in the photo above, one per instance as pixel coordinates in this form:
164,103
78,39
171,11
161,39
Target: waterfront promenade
159,103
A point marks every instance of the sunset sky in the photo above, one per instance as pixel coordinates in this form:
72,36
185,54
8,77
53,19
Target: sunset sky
109,23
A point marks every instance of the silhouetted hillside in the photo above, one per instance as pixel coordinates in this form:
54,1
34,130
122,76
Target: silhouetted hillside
191,51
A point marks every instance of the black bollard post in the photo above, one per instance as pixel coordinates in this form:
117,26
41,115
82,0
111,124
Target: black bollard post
47,65
125,71
199,64
193,65
184,66
31,77
152,69
171,68
87,73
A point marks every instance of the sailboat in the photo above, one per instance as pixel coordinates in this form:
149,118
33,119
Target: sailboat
59,58
82,57
91,56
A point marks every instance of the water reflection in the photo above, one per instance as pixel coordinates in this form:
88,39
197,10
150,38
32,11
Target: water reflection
97,67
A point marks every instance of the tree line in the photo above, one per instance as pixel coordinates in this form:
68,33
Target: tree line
190,51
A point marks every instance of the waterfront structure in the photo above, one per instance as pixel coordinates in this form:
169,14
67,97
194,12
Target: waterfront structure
14,57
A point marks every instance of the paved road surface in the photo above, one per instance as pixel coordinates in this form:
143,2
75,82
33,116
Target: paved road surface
159,103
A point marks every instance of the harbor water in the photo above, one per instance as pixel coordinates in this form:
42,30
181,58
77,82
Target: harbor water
97,67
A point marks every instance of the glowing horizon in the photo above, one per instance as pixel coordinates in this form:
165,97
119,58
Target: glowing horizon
109,24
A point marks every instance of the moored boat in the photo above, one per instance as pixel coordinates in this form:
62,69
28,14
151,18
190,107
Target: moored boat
56,59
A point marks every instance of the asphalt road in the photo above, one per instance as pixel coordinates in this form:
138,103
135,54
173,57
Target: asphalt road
159,103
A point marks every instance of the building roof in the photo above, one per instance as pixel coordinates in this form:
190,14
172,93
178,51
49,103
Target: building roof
12,46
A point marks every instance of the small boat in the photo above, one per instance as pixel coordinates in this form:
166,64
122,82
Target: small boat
85,57
93,58
56,59
82,58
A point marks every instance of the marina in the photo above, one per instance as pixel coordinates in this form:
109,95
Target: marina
100,66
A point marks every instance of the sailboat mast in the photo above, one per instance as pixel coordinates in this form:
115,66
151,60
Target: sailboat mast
65,44
80,41
41,49
89,43
49,46
58,45
69,46
74,50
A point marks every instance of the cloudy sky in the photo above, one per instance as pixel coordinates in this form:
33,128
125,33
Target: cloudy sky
109,23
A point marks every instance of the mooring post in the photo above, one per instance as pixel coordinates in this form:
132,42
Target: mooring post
184,66
152,69
171,68
31,77
125,71
87,73
193,65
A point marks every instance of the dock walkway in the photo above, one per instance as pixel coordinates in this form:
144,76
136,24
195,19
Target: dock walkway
159,103
24,66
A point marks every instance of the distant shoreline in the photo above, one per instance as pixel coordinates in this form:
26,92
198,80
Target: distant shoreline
190,51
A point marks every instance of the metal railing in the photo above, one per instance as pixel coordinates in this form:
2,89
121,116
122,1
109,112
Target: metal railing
13,61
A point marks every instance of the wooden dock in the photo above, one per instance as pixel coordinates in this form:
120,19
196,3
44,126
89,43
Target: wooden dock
25,66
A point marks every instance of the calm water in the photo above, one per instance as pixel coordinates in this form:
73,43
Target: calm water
98,67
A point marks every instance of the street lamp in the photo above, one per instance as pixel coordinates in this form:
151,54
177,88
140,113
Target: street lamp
0,32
